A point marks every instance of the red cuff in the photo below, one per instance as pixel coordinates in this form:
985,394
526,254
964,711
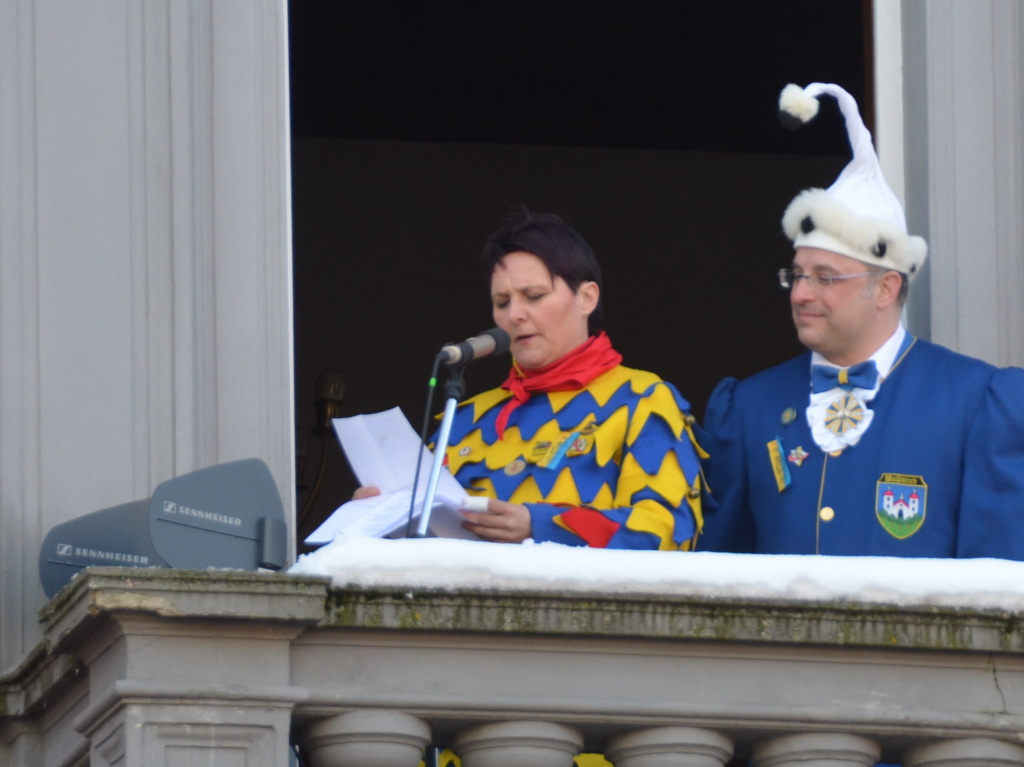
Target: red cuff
592,526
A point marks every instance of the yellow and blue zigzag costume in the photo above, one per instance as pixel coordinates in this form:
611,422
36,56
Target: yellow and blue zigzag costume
612,465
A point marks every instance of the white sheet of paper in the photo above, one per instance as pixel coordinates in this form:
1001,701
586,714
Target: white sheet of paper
387,515
382,449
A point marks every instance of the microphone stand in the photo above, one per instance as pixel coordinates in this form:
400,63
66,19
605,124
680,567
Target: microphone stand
454,389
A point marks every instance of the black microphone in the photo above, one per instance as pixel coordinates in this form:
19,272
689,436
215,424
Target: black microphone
493,341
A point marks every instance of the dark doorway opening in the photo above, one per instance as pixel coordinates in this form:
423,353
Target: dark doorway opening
650,125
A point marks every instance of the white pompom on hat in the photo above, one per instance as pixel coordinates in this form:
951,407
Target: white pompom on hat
859,215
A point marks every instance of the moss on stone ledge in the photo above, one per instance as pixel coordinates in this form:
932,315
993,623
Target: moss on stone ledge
820,623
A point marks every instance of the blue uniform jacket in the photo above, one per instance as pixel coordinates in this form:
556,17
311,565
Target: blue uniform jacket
939,473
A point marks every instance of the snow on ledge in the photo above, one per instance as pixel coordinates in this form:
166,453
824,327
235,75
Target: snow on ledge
448,564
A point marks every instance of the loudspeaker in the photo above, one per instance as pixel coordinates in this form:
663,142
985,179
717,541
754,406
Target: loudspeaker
225,516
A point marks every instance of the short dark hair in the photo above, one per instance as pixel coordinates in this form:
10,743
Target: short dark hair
555,242
901,297
904,289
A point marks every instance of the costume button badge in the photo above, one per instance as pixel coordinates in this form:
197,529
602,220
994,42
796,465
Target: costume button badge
798,455
516,467
827,514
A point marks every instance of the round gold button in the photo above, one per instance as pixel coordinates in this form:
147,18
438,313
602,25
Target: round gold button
827,513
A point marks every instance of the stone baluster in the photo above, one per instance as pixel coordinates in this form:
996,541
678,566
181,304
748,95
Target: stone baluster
669,747
816,750
518,744
366,738
965,752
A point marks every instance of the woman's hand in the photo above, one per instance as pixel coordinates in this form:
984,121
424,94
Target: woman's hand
365,491
503,522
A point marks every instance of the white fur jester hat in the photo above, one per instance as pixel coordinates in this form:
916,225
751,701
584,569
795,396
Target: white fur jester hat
859,215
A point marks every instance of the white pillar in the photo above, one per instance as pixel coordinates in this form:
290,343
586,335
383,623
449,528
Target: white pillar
518,744
669,747
963,79
965,752
816,750
145,265
366,738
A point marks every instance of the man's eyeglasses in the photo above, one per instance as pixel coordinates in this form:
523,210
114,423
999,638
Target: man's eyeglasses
788,278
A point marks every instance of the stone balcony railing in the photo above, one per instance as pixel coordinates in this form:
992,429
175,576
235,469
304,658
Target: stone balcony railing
152,667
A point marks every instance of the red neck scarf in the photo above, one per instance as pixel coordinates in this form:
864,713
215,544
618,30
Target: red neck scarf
573,371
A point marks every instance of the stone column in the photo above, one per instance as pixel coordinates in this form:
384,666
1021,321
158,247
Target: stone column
518,744
669,747
817,750
965,752
159,733
145,262
964,136
184,666
367,738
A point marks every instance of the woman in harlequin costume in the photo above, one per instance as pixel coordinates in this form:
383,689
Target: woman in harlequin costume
573,447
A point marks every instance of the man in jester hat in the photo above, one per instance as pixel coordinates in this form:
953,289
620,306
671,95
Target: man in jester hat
873,442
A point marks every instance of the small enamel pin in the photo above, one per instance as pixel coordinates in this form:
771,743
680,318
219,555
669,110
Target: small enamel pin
797,455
